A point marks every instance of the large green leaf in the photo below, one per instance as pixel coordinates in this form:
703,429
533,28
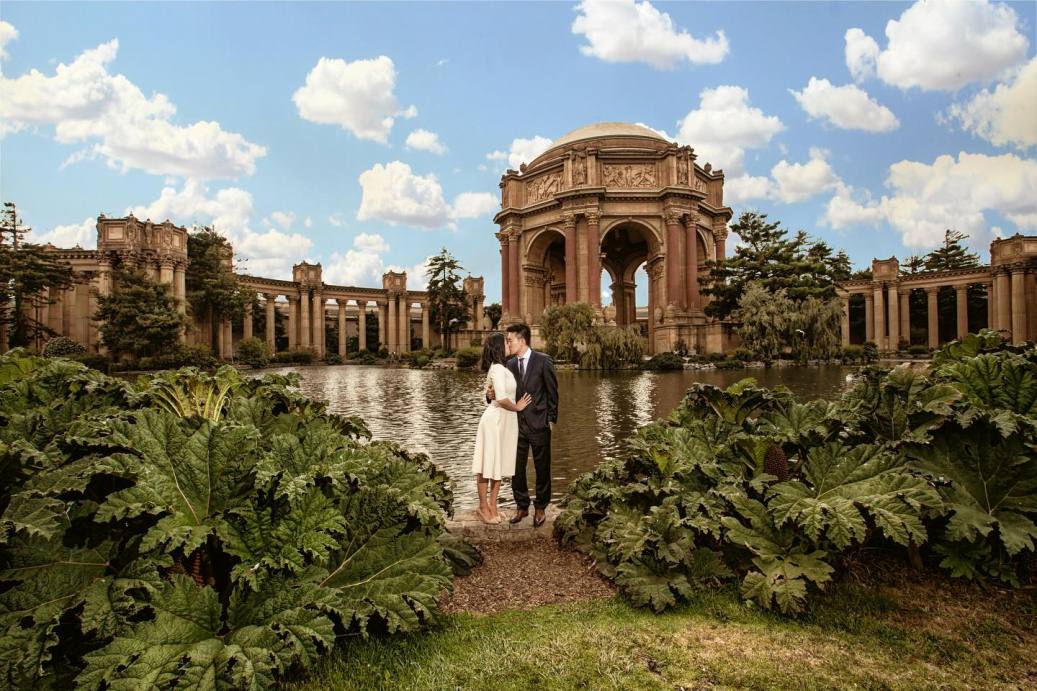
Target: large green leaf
841,485
192,644
184,473
988,483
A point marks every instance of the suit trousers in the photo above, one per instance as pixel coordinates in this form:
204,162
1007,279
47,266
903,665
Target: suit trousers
539,442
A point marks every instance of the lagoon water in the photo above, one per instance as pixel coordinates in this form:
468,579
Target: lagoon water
437,411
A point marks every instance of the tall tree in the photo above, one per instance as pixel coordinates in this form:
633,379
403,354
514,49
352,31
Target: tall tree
26,271
952,254
567,329
213,290
768,256
448,308
915,264
493,313
140,317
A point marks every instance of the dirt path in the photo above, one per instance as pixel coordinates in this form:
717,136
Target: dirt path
522,568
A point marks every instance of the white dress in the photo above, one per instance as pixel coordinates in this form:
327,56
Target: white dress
496,442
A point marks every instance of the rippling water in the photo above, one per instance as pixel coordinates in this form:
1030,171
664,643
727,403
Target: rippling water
437,411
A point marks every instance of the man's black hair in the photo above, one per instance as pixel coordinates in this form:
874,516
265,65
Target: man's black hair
520,329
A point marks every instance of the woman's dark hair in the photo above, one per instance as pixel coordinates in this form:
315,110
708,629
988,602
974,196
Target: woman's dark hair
520,330
493,351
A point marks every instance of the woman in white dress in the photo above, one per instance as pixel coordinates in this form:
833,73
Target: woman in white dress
496,441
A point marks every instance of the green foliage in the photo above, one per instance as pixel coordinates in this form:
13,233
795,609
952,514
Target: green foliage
612,347
802,267
181,355
62,346
333,359
745,481
468,357
771,323
253,352
26,272
448,304
662,362
203,531
213,289
140,318
566,330
493,312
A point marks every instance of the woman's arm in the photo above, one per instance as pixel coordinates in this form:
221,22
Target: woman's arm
499,384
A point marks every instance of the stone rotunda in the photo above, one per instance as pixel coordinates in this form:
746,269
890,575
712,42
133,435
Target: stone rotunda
615,197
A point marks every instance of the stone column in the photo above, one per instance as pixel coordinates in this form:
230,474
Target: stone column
593,259
382,309
293,321
505,273
394,324
318,339
961,294
905,314
672,257
894,316
225,339
845,323
869,317
933,313
68,310
271,322
92,328
720,242
165,273
361,322
880,320
341,328
246,322
179,291
1018,305
426,332
691,258
991,317
404,334
304,318
514,274
571,281
1004,301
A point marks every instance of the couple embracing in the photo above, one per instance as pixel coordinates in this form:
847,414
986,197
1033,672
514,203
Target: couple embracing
522,397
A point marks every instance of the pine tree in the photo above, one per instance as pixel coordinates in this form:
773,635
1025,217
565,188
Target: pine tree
446,296
493,313
26,270
768,256
140,318
213,290
952,254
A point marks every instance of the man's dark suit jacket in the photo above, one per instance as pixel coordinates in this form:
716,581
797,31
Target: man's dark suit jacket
541,384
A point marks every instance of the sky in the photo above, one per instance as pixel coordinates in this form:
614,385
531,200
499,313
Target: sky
367,136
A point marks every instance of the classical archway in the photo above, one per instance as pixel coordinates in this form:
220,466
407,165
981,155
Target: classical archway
545,270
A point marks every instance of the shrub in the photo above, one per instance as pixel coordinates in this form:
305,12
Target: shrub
62,346
853,353
730,364
383,353
870,352
611,347
749,483
477,341
333,359
419,361
302,357
903,344
368,358
181,355
253,352
212,531
94,361
664,362
441,353
681,348
468,357
715,357
918,349
743,354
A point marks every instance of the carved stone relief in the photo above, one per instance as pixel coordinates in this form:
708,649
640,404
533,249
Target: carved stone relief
543,187
629,175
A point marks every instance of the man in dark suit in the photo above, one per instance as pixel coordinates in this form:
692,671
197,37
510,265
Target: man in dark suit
535,374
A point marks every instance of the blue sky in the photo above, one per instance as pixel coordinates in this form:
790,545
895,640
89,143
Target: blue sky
932,122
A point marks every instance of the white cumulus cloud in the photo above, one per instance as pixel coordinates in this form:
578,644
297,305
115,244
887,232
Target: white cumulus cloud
522,150
86,103
724,126
630,31
424,140
926,199
357,96
941,45
393,193
7,34
83,234
847,107
1005,116
797,182
269,252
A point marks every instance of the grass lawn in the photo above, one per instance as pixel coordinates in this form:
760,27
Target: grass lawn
908,636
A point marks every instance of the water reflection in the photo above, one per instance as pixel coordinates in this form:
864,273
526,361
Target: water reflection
437,411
